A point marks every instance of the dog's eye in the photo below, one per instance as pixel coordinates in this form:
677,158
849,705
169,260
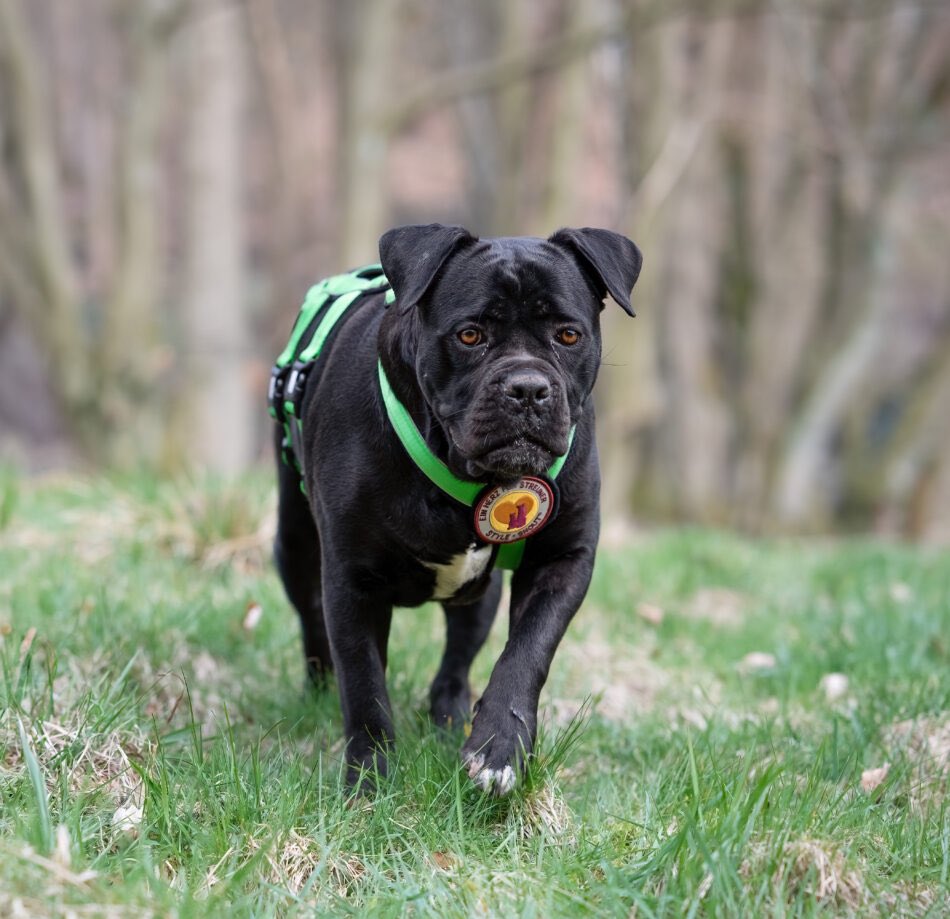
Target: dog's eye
568,336
470,337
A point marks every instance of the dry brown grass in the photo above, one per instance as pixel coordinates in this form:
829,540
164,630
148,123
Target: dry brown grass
86,761
294,863
545,811
821,871
925,744
719,606
813,868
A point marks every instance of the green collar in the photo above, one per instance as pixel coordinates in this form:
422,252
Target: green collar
465,492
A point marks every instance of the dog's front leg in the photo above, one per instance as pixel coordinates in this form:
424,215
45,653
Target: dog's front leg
543,602
358,628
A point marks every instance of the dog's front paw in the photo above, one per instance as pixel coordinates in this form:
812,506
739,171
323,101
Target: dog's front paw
495,752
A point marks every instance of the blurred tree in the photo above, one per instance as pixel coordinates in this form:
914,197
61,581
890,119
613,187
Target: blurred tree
470,33
891,78
100,346
561,194
216,399
695,443
36,269
784,167
783,274
364,32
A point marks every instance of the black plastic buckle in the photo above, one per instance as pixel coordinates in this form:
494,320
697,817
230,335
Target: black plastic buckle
275,393
296,385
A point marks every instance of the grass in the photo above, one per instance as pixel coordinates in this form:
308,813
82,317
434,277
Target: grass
157,755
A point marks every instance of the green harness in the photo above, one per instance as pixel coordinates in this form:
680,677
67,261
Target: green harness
323,307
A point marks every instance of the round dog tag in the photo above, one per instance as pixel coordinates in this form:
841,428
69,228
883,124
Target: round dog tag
505,513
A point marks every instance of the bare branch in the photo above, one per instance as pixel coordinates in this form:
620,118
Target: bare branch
491,75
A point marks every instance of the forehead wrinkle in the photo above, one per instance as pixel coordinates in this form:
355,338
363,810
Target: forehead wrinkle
506,279
523,282
516,276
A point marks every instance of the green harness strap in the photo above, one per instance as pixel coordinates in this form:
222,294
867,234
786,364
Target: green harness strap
343,290
346,288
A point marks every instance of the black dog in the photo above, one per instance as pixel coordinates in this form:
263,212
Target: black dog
489,355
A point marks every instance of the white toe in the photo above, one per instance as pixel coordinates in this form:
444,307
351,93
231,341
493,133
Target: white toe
495,781
506,781
474,764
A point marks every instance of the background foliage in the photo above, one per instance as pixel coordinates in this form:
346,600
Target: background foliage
175,173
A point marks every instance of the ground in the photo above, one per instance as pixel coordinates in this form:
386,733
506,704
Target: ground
731,727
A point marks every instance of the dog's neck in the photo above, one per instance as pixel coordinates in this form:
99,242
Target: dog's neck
400,373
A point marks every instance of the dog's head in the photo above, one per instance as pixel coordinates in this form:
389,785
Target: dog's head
503,335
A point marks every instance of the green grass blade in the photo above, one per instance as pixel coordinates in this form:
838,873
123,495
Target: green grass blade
44,826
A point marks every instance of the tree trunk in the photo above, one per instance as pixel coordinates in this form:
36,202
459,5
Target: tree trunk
469,30
214,317
789,246
918,457
126,351
869,150
34,248
569,128
699,427
631,397
365,71
514,119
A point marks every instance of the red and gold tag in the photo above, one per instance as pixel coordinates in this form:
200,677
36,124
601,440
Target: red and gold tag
505,513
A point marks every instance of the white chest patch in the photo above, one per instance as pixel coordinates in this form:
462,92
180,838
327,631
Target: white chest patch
459,570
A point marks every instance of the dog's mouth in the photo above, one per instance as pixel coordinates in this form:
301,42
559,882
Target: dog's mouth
512,459
489,443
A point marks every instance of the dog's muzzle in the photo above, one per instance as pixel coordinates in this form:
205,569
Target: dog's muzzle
518,424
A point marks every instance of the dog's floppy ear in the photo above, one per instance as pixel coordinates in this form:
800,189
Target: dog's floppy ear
412,255
612,259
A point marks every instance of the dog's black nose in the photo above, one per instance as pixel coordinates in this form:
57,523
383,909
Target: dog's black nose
527,387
